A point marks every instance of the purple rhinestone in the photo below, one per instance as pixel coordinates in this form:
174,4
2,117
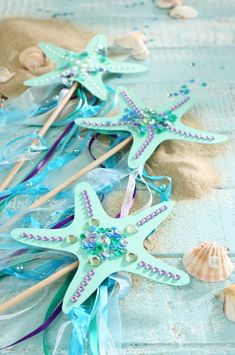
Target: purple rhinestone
91,272
84,283
77,294
162,272
73,299
142,263
52,239
155,269
81,288
45,238
148,267
169,274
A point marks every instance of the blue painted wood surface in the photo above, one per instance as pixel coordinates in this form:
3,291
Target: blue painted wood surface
158,319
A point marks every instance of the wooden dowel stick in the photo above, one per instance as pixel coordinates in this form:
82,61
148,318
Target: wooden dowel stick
80,173
41,133
68,182
32,290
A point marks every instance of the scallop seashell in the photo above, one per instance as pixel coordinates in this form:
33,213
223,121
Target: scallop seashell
208,262
128,40
227,296
140,51
168,4
32,58
183,12
5,75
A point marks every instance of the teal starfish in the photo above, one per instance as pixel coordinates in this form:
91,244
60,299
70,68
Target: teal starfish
87,67
149,127
104,245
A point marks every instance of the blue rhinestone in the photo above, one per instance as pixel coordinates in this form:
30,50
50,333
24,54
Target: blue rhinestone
112,247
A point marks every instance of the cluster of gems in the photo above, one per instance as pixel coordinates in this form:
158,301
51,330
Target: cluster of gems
151,215
84,63
102,243
82,286
158,271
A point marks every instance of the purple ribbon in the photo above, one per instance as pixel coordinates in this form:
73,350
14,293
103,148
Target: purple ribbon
39,329
40,165
49,153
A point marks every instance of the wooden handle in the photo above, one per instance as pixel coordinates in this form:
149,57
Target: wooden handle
51,119
80,173
32,290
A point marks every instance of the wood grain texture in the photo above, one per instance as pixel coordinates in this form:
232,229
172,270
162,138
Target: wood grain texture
158,319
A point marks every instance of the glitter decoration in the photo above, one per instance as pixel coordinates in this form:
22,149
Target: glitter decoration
104,243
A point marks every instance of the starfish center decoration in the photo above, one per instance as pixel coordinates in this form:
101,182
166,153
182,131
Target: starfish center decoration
87,67
104,245
149,127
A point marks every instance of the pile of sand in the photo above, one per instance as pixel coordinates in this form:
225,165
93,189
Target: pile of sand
18,34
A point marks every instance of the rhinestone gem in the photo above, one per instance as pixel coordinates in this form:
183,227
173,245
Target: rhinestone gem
71,239
131,257
131,229
94,222
94,260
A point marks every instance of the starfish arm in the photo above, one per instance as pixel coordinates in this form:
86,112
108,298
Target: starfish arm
142,147
57,54
43,238
99,41
183,132
87,205
124,67
178,107
156,270
106,125
95,85
128,99
44,79
146,221
86,280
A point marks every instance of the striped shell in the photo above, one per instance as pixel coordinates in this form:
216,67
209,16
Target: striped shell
227,296
183,12
140,51
168,4
128,40
32,58
208,262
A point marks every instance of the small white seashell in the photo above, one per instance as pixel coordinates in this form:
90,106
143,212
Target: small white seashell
128,40
208,262
168,4
32,58
5,75
183,12
140,51
227,296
